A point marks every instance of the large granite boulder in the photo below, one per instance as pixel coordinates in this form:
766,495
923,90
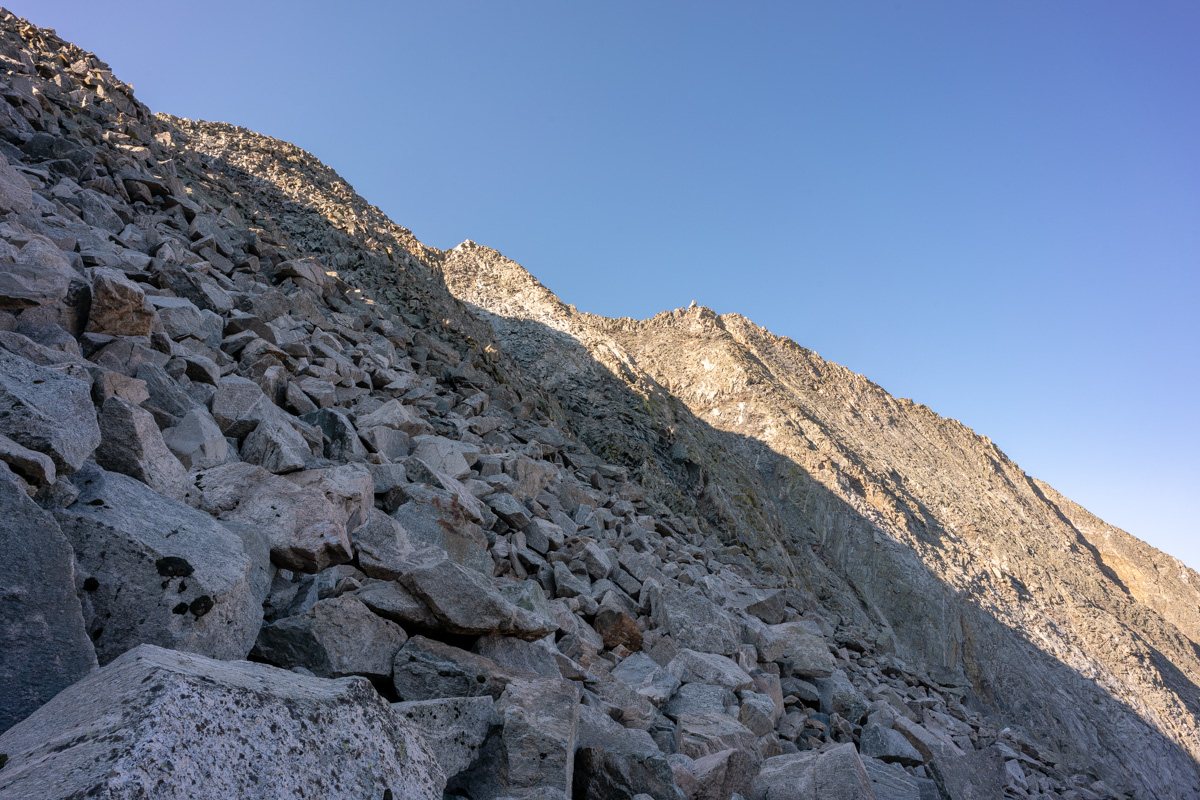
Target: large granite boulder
44,646
455,728
155,570
338,636
833,773
160,723
46,411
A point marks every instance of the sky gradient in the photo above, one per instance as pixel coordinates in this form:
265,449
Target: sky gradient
992,209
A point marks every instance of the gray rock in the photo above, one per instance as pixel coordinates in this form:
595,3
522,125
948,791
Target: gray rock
612,761
891,782
44,646
34,468
180,317
338,636
454,728
839,695
15,194
757,712
979,775
341,439
699,735
396,415
132,444
41,275
307,533
119,306
96,211
693,620
444,455
700,698
276,446
888,745
540,725
808,654
238,406
390,600
158,571
465,602
426,669
47,412
693,667
925,741
725,774
383,546
197,441
435,518
642,674
158,723
518,655
836,773
509,509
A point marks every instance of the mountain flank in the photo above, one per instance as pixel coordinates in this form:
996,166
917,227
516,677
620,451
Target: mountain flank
298,506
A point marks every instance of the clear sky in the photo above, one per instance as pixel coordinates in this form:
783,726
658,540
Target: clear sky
990,208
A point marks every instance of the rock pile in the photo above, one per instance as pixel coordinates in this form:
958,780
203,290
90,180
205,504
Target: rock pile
233,430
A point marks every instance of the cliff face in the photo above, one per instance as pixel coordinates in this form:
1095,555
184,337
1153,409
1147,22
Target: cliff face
244,414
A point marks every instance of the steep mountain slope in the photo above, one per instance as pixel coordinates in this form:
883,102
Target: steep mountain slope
1068,626
244,414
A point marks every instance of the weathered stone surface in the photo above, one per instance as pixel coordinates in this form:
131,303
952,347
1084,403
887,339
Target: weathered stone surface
276,446
197,441
47,412
925,741
700,735
509,509
974,776
41,276
839,695
383,546
723,774
119,306
307,533
157,571
694,621
44,646
617,627
540,725
437,519
465,602
836,773
34,468
693,667
180,317
612,761
426,669
132,444
454,728
519,655
891,782
888,745
336,637
396,415
15,194
391,600
700,698
807,653
642,674
158,723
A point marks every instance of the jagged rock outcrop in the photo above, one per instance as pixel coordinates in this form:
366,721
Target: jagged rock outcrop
584,557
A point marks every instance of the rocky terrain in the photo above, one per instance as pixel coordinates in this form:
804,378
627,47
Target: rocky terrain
297,506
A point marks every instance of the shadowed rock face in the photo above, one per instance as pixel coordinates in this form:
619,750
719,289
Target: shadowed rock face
679,556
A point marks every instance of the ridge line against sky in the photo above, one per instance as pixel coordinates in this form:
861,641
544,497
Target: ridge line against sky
993,211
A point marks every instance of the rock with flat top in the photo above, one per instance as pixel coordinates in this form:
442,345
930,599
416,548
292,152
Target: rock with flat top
836,773
160,723
47,412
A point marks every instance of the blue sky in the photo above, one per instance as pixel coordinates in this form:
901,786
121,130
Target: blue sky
993,209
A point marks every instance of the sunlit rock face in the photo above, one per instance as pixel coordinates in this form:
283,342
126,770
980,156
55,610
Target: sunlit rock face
584,557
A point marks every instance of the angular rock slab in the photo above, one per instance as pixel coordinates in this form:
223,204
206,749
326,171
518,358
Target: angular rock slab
307,533
160,723
454,728
157,571
541,721
338,636
836,773
47,412
44,647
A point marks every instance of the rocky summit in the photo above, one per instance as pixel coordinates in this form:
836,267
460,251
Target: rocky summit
294,505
